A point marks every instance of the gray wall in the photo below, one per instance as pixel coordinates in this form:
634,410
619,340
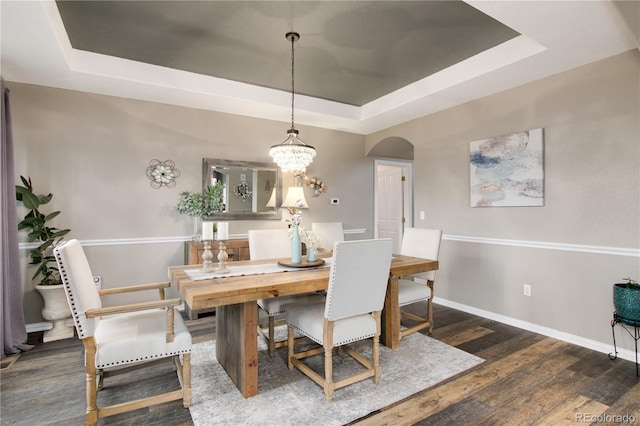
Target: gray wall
590,117
92,152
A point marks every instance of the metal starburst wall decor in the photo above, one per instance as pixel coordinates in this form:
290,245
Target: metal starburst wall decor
162,173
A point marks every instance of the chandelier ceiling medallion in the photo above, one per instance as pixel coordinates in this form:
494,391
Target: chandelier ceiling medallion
292,155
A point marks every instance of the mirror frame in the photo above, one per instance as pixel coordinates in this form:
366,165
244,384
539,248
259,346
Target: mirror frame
276,214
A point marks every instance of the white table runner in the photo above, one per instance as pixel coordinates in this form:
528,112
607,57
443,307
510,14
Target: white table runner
237,271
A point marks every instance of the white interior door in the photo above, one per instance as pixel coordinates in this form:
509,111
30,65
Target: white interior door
390,204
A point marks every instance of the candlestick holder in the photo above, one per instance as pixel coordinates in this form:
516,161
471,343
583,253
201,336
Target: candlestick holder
207,264
222,259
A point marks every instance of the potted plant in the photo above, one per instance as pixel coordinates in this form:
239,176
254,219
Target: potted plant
199,205
626,300
56,308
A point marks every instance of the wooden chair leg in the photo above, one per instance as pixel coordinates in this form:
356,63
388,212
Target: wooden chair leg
272,343
375,351
422,322
327,382
186,377
430,307
289,347
269,334
91,415
100,379
329,386
92,412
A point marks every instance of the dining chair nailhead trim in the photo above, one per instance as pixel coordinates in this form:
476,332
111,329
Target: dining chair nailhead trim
354,339
146,358
74,308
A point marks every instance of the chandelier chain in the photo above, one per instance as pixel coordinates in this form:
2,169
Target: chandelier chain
293,40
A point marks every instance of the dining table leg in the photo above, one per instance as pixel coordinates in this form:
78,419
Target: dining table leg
390,331
237,344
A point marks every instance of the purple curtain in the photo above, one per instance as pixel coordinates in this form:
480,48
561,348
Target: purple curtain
12,326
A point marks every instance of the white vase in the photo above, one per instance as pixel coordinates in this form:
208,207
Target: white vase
56,309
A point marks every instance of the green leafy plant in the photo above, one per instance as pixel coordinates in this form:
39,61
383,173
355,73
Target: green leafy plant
47,236
631,283
202,204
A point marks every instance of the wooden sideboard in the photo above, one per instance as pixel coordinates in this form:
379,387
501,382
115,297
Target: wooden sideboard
236,250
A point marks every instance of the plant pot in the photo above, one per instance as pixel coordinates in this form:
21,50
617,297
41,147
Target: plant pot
627,303
56,309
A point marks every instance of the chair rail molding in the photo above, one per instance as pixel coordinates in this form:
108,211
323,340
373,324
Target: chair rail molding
580,248
158,240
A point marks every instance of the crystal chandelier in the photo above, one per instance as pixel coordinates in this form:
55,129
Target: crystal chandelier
292,155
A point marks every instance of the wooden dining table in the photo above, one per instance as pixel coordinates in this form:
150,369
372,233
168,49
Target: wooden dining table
234,298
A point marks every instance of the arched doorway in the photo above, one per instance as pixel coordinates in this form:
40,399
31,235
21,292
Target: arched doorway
393,188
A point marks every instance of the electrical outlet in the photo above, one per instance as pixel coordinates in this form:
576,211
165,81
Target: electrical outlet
421,214
527,290
97,280
335,201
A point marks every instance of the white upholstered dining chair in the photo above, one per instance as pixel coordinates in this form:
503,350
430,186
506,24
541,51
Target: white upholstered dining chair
328,233
355,298
275,244
423,243
120,338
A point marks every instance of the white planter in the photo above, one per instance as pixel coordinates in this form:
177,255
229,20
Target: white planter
56,309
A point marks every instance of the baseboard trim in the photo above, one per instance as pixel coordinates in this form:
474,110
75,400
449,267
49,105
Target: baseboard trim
605,348
39,326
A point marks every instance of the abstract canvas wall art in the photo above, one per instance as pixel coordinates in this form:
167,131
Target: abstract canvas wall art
508,170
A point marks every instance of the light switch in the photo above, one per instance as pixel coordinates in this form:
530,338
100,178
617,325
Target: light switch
421,214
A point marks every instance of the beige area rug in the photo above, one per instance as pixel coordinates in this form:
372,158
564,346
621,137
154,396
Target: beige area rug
290,398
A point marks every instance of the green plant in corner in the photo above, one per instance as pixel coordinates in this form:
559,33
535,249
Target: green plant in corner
202,204
47,237
631,283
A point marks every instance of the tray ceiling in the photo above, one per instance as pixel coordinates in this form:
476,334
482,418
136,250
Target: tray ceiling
361,66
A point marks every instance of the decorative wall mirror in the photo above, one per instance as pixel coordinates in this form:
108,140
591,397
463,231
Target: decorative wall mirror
251,191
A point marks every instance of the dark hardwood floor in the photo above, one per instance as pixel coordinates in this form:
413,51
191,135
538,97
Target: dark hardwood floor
526,379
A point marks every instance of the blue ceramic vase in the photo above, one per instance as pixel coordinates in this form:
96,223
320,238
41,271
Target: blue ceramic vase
312,254
296,246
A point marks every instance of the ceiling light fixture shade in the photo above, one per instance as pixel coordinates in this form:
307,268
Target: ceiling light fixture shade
292,155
